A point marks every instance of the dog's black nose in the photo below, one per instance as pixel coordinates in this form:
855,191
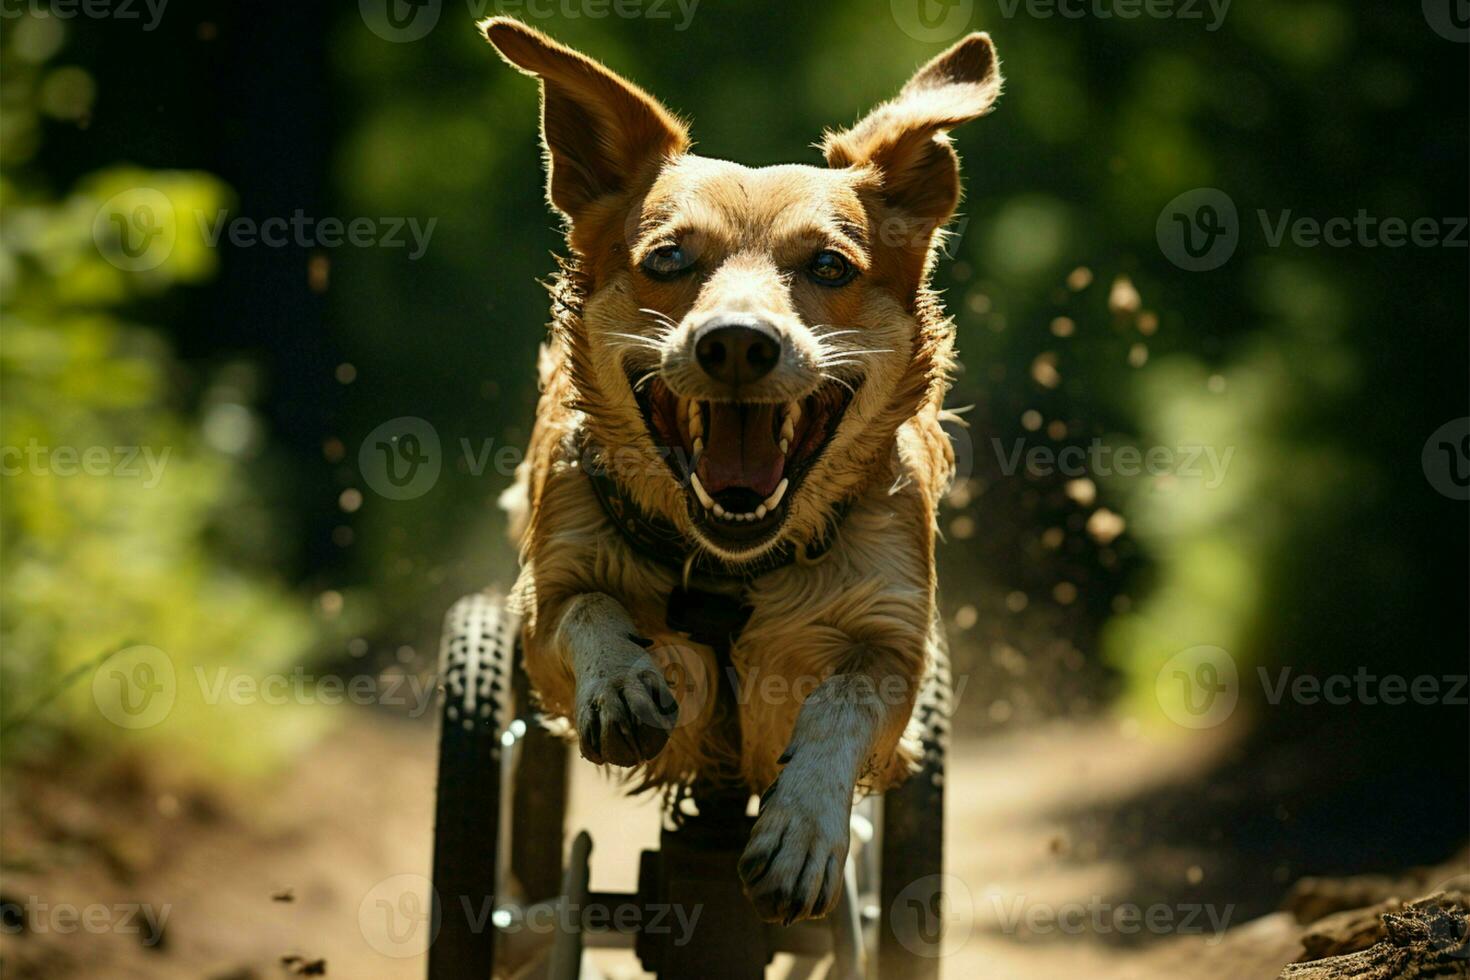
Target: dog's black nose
737,350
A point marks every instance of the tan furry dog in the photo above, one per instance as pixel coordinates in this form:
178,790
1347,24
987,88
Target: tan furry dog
741,398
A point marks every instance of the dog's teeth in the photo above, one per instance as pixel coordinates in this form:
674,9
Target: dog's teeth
698,445
719,511
788,429
793,413
775,498
785,445
699,491
760,512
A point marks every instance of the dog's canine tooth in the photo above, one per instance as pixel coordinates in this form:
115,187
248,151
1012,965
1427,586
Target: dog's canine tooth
699,491
793,413
785,446
788,429
696,420
760,512
698,445
775,498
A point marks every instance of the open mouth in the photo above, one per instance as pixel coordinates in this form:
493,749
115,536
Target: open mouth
741,462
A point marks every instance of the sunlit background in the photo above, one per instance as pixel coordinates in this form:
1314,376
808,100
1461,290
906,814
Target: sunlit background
1261,485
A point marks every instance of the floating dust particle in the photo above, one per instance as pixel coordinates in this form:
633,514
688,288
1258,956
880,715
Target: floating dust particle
966,617
1031,420
1123,299
1044,370
1063,326
1082,491
318,273
1065,593
1079,279
350,500
1105,526
1138,355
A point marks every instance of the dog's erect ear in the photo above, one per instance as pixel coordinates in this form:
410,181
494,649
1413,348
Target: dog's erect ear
905,139
603,134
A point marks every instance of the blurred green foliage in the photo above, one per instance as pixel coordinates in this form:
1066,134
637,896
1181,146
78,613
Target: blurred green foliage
114,490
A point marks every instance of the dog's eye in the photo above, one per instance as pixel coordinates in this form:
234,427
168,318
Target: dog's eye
668,262
829,268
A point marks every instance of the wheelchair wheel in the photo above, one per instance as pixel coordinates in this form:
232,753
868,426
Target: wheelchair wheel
911,844
477,659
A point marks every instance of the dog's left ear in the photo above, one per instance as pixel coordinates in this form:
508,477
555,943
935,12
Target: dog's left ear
603,134
906,139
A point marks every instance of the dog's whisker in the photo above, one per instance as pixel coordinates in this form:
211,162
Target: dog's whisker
829,376
635,340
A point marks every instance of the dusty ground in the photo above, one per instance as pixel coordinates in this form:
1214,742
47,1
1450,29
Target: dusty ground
301,868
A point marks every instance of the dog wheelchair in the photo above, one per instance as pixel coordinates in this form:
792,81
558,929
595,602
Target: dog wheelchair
499,843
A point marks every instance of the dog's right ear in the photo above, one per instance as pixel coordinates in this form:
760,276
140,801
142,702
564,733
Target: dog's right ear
603,134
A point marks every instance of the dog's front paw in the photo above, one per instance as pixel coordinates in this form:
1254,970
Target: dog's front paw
625,710
793,866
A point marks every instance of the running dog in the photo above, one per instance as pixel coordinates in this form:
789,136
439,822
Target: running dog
737,457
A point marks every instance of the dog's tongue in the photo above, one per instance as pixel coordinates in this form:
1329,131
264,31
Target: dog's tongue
740,449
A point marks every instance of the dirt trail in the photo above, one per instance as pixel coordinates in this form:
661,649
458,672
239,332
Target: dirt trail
336,833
